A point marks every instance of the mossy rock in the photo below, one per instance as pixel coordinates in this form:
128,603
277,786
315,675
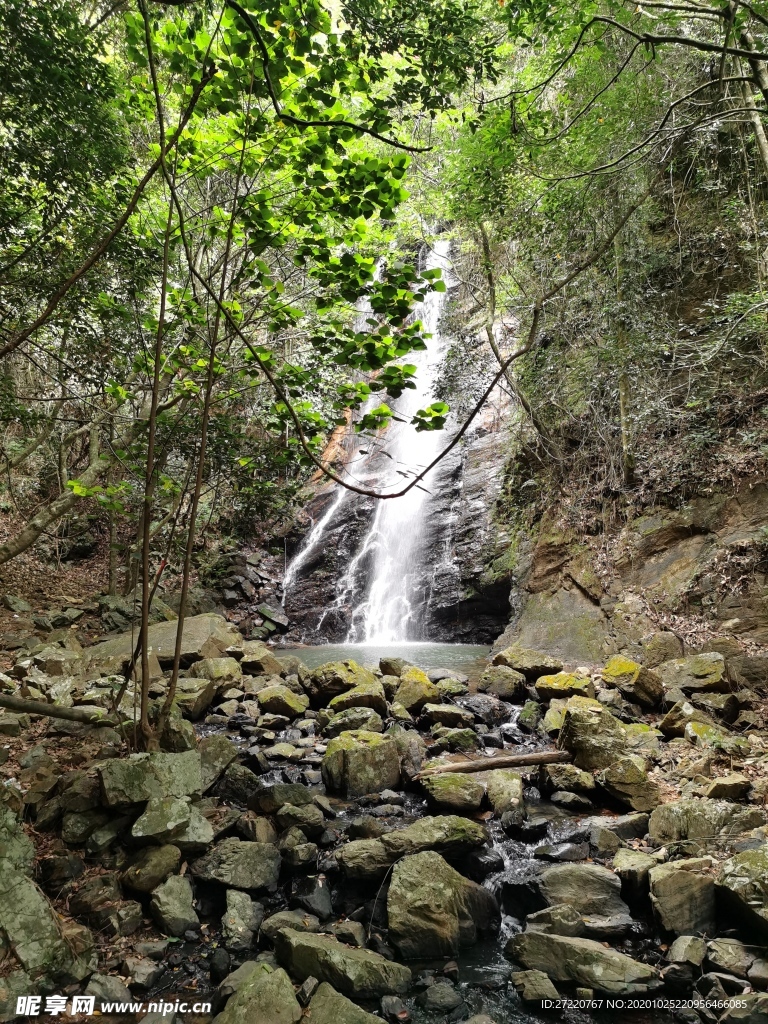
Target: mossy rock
633,681
453,791
360,762
279,700
562,685
366,695
416,690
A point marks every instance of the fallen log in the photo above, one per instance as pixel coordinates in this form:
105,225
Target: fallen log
487,764
37,707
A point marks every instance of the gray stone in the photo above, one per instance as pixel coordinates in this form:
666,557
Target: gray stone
688,949
592,734
453,791
742,883
330,1007
107,989
635,683
151,867
240,922
505,683
627,780
534,986
360,762
695,674
530,663
353,719
433,910
139,777
216,755
583,962
269,799
239,864
355,972
265,996
683,896
203,636
172,906
701,819
364,695
163,819
296,920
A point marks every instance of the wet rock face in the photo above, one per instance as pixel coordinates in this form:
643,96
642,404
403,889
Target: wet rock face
462,600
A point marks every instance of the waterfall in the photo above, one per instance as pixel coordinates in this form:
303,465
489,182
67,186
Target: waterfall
385,584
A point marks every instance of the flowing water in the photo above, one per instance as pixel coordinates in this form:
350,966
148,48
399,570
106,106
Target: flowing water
385,587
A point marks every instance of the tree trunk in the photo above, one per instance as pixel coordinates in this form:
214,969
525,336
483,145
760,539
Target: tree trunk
36,707
488,764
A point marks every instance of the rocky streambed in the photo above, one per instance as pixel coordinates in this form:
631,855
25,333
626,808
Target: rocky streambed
297,848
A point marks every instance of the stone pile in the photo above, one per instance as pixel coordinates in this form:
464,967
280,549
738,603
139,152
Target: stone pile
291,832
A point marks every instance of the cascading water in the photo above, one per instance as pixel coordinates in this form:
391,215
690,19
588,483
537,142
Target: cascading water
385,586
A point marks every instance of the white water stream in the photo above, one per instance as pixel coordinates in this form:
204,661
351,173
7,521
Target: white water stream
388,564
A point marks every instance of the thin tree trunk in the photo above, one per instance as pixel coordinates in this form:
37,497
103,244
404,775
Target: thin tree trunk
36,707
757,124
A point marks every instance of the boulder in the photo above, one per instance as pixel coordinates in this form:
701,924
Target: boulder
566,777
530,663
742,884
635,683
351,720
195,696
447,834
582,962
504,788
732,956
699,673
240,922
17,851
733,786
449,715
453,791
139,777
627,780
266,996
239,864
365,695
433,910
632,867
172,906
258,660
683,896
308,818
687,949
534,986
279,700
361,762
333,678
415,691
674,723
217,670
164,818
505,683
297,920
328,1006
216,754
588,888
701,819
563,685
360,973
203,636
151,867
269,799
749,1008
592,734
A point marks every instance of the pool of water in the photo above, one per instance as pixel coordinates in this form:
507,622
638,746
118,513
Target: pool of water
469,659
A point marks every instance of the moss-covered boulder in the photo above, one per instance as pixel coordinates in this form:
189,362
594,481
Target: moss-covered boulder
217,669
530,716
679,715
139,777
582,962
638,684
279,700
195,696
449,834
504,788
505,683
592,734
742,883
449,715
701,819
163,818
563,685
361,762
258,660
265,997
352,719
335,677
433,910
454,740
698,673
328,1006
453,791
554,716
358,973
151,868
416,690
683,896
627,780
172,906
530,663
365,695
239,864
566,778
